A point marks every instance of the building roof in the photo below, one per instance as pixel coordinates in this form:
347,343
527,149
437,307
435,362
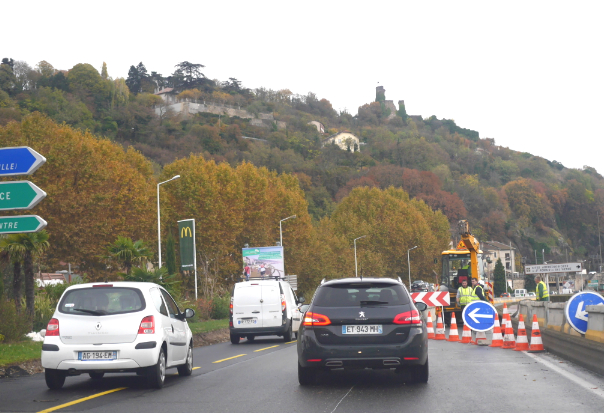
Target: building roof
494,245
165,90
338,133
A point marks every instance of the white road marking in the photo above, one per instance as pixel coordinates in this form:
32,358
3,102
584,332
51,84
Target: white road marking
593,388
334,409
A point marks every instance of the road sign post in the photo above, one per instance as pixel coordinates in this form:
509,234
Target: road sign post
20,224
20,160
575,309
479,315
553,268
19,195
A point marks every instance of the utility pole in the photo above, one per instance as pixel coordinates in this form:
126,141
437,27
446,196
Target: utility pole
599,242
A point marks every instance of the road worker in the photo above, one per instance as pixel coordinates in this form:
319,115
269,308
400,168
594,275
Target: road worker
464,294
477,291
541,290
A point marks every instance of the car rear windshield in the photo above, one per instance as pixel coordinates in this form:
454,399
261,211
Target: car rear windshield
361,294
96,301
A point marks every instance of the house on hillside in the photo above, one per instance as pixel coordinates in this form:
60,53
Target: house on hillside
494,250
320,127
168,94
345,140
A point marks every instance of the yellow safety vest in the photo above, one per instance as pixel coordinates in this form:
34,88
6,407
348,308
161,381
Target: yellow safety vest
474,295
465,295
545,292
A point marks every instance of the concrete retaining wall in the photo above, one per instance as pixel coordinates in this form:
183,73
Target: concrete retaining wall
595,323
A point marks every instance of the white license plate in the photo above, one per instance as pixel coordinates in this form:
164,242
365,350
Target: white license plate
362,329
97,355
247,321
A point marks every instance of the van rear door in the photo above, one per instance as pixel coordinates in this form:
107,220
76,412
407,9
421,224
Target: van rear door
247,305
271,305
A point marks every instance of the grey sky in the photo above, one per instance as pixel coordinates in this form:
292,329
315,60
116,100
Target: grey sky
526,73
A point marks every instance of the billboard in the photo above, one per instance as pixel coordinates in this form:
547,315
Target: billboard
186,231
263,262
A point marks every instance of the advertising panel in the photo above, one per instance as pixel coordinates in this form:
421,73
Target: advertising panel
186,231
263,262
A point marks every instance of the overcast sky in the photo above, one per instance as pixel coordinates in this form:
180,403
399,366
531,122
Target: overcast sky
526,73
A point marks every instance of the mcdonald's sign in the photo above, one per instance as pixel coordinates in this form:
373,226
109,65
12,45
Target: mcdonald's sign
186,229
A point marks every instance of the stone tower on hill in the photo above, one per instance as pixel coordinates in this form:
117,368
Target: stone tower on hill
380,96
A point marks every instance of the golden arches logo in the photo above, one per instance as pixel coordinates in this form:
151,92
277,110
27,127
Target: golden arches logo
184,231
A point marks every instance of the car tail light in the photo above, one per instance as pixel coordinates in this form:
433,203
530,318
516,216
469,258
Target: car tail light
316,319
102,285
408,317
52,329
231,306
147,325
283,303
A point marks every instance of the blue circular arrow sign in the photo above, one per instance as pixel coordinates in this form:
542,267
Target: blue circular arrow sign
575,309
479,315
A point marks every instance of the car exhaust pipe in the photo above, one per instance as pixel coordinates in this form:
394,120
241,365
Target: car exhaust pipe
392,363
334,364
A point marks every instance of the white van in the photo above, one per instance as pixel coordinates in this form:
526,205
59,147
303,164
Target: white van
520,293
264,308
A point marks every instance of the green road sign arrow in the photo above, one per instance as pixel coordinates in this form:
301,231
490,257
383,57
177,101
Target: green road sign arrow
19,195
21,224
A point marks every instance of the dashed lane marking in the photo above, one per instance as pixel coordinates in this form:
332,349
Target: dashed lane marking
289,342
265,348
52,409
230,358
195,368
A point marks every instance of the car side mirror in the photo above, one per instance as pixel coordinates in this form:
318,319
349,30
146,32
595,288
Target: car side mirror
189,313
421,306
301,300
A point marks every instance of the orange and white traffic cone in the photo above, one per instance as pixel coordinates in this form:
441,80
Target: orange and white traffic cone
453,332
536,341
430,327
522,343
509,341
440,329
481,338
466,335
497,340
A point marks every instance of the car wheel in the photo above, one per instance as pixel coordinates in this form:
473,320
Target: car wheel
187,368
421,373
54,378
287,336
96,375
156,375
235,339
251,338
306,375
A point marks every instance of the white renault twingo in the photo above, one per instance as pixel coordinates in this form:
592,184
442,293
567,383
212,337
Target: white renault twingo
117,327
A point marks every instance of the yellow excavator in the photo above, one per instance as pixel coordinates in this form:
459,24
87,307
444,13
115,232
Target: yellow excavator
461,263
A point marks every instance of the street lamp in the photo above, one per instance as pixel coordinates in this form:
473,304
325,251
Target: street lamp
158,218
281,231
409,265
356,274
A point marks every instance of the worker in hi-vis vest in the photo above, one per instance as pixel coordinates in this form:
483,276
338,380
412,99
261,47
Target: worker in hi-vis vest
541,290
477,291
464,294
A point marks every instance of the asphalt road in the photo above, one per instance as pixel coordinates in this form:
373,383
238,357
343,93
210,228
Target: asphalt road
263,378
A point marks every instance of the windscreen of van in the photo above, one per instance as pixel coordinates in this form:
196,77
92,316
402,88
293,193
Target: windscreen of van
358,294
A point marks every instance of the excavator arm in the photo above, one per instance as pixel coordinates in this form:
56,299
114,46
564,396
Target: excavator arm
469,242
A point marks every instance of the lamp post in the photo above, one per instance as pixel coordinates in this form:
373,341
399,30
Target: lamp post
280,229
409,265
158,218
356,274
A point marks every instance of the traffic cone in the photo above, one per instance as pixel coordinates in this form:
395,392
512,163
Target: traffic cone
536,341
505,309
440,330
466,335
453,333
505,319
509,341
430,327
481,338
497,337
522,343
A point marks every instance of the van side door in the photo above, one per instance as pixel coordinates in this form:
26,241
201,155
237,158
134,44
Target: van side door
271,305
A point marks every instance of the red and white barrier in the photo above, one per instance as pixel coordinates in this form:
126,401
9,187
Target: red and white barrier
435,299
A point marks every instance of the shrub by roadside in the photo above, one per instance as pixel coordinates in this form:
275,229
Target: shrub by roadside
13,326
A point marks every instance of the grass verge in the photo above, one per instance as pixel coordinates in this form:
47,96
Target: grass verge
207,326
15,353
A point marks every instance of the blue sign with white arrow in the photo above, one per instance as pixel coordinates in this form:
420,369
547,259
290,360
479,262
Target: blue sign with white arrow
575,309
20,160
479,315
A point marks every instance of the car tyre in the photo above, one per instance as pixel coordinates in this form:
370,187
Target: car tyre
306,375
251,338
156,375
95,375
235,339
287,336
421,373
54,378
187,368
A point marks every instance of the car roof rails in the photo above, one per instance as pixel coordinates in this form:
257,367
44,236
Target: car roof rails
399,280
323,281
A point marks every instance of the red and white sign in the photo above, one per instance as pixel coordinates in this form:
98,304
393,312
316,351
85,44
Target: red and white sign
435,299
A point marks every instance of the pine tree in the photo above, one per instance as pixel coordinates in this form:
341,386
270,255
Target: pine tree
529,282
499,275
171,254
104,73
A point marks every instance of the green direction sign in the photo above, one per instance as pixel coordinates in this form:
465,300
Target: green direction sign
21,224
19,195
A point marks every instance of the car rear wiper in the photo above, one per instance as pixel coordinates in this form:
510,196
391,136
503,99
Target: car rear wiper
369,302
93,312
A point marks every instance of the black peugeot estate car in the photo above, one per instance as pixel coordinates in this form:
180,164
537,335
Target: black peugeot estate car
357,323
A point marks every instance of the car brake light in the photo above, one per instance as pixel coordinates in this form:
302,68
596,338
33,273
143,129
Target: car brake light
408,317
231,306
52,329
102,285
315,319
283,303
147,325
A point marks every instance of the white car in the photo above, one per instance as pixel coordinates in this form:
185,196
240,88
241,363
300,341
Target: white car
264,308
117,327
